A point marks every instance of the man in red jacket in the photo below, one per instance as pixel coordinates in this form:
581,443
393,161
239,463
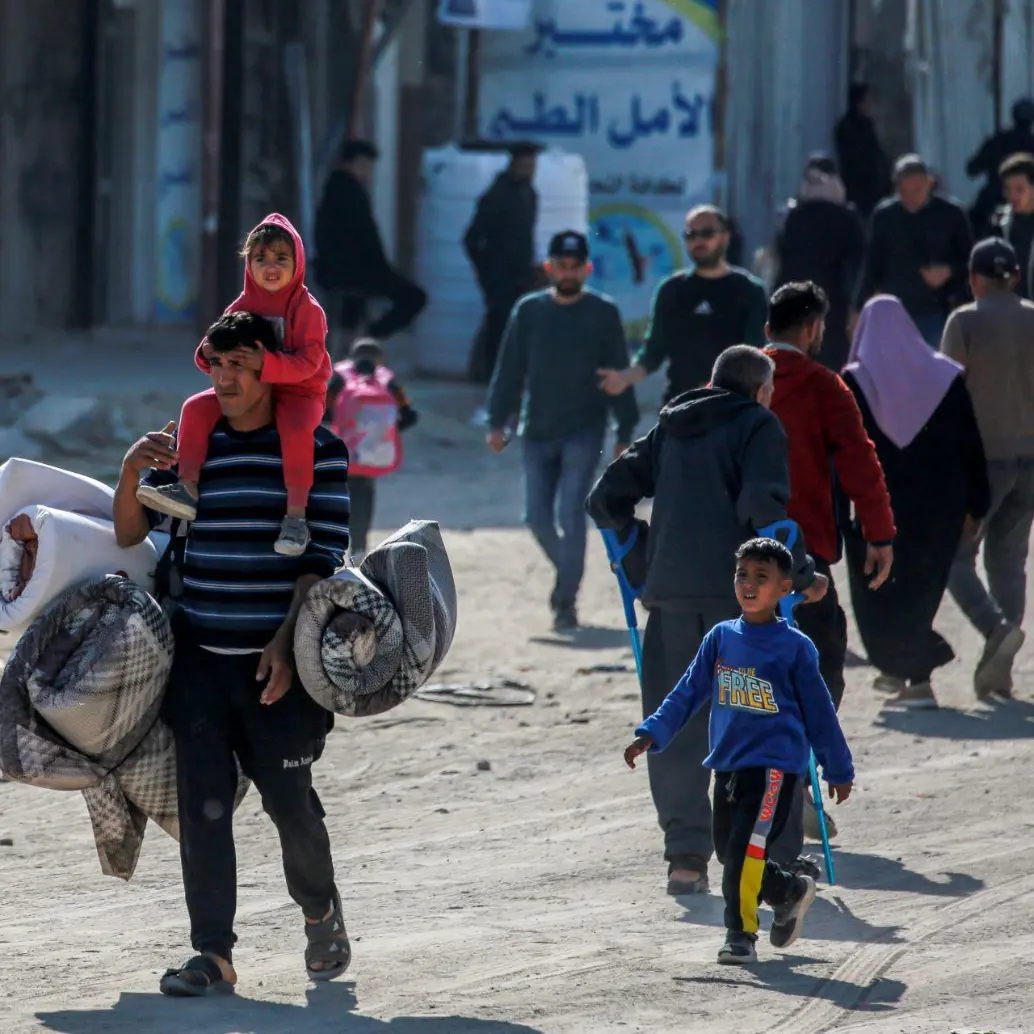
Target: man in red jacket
826,437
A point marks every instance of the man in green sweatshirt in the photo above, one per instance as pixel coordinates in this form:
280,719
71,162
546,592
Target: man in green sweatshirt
554,343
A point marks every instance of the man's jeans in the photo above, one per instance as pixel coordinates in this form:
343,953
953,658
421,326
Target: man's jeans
558,474
1006,541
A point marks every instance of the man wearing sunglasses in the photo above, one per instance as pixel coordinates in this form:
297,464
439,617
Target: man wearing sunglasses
697,313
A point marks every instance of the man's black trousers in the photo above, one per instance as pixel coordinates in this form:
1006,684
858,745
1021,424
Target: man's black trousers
213,708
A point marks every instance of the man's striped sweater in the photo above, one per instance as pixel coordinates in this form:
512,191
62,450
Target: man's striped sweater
236,589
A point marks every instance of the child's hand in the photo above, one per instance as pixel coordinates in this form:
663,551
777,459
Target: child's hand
841,792
249,358
641,745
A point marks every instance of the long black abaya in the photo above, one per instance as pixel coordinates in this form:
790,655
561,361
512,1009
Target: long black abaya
934,482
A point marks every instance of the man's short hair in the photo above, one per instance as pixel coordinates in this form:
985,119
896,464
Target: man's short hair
353,149
767,549
723,219
910,165
242,329
742,369
1021,164
796,304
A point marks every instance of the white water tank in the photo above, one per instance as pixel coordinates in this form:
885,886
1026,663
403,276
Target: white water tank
453,180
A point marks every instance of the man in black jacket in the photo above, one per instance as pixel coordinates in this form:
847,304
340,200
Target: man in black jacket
500,243
716,467
863,162
997,148
1014,221
350,256
918,250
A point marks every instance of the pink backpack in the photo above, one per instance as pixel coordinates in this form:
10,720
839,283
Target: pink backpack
366,418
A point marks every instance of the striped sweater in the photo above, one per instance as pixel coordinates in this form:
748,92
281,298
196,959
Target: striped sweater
236,589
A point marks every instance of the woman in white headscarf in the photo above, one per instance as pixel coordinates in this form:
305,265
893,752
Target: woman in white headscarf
918,412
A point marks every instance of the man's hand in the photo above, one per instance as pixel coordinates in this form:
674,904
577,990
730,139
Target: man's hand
840,792
614,382
640,746
275,664
935,276
619,448
155,449
249,358
496,440
818,588
878,559
972,529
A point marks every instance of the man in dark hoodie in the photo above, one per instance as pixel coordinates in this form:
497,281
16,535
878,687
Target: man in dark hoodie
350,256
500,243
716,467
863,162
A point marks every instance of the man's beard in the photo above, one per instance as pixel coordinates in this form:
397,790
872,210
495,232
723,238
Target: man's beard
568,288
710,261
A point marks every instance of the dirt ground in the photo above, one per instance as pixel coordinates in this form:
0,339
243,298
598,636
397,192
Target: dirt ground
528,896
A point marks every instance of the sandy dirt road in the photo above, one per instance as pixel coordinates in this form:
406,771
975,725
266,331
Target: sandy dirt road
530,897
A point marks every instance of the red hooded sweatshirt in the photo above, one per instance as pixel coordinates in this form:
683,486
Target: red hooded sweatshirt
825,431
304,364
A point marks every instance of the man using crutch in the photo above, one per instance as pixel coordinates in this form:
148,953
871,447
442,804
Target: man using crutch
716,467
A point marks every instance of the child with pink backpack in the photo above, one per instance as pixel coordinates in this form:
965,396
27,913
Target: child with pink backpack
368,409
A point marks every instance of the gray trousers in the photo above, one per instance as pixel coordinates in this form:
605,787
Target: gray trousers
1006,543
678,780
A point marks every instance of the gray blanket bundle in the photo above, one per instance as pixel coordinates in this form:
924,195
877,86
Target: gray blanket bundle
81,694
369,637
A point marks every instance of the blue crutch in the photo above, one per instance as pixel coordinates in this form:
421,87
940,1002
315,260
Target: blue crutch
786,607
616,553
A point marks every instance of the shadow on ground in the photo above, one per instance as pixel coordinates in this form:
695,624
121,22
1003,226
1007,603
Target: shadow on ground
587,637
1004,720
875,872
331,1007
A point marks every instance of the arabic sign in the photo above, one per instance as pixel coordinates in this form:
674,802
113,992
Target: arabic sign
178,209
485,14
630,87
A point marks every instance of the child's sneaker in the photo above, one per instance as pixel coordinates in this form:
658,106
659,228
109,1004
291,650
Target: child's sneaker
294,537
176,500
738,950
789,918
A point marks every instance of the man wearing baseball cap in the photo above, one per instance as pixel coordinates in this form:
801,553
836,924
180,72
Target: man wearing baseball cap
993,338
553,345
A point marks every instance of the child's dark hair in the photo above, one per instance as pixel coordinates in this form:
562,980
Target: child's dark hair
264,235
767,549
242,329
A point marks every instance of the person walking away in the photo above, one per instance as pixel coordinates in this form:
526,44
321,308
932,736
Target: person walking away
991,338
234,696
996,149
822,239
554,343
769,708
1014,221
500,243
696,313
274,287
369,411
916,409
863,163
826,437
918,250
350,258
715,466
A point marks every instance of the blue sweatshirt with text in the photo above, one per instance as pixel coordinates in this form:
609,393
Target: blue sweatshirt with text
769,704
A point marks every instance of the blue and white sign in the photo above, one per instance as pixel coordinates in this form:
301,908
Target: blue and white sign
485,14
629,85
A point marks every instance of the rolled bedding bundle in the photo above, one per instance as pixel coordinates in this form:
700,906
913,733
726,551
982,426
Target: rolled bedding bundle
369,637
55,531
80,699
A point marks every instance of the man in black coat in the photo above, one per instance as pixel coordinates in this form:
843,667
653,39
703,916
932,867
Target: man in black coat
349,254
996,149
864,165
500,243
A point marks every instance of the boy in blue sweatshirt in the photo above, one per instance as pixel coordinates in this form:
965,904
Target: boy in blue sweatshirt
769,706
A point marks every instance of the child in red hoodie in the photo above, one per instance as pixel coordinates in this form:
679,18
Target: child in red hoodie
274,287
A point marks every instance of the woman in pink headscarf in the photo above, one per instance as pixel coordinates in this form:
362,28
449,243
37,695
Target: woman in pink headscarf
918,413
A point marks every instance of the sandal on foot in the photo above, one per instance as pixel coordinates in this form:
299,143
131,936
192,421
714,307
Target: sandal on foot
328,944
198,977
